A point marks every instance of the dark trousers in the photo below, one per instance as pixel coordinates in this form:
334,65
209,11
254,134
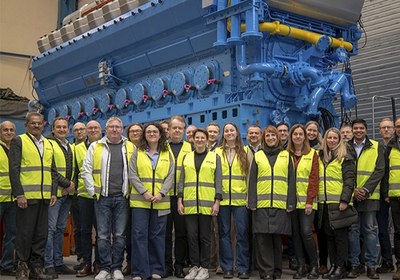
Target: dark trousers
268,250
128,240
395,207
31,237
303,240
88,221
199,239
322,242
175,222
77,226
337,241
382,217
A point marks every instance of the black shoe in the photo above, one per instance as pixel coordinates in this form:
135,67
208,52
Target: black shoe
228,274
38,273
63,269
371,273
7,272
22,271
267,277
329,273
385,268
354,272
179,272
243,275
300,273
339,273
52,272
293,264
314,273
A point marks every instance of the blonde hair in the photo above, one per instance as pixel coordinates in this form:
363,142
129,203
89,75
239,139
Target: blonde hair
340,150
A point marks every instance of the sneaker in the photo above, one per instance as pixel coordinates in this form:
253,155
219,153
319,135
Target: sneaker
155,276
63,269
192,273
202,274
103,275
117,275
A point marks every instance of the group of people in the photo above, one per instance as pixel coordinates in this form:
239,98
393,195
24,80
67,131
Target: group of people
171,203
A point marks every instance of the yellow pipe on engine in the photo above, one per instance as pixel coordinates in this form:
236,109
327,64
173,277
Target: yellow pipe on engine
276,27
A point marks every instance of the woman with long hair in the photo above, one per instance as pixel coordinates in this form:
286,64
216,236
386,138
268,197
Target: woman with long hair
271,196
198,199
235,166
336,185
151,174
313,134
305,161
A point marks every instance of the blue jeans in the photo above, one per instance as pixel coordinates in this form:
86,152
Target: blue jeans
87,219
368,225
8,214
112,217
241,221
58,215
148,242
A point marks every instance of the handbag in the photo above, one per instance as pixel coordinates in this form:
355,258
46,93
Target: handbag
341,219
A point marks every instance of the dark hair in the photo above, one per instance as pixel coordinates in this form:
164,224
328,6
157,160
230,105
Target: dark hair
129,127
59,119
306,145
202,130
29,115
282,123
359,121
162,142
213,124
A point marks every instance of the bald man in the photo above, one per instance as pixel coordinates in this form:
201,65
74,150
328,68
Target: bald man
7,206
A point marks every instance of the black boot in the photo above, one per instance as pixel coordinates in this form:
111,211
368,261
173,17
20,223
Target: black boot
314,273
38,273
22,272
300,273
330,271
339,273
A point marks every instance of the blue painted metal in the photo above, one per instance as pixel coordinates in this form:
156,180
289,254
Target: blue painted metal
160,60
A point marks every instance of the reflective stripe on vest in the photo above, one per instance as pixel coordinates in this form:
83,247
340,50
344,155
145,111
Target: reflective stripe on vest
152,180
272,183
199,189
61,163
80,153
394,173
35,176
234,181
185,149
365,167
5,185
330,182
303,172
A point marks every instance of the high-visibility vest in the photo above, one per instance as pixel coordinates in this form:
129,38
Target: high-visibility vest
366,166
186,148
394,173
303,172
97,155
234,181
80,152
330,182
272,183
35,176
152,180
61,162
199,188
5,185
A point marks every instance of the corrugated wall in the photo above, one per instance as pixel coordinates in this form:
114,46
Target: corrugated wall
377,67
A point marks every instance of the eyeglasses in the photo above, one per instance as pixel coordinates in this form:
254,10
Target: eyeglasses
387,127
114,127
79,129
152,132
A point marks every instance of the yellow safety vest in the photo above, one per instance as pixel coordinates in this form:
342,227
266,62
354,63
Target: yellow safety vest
80,152
199,189
61,162
302,177
330,182
152,180
186,148
234,181
272,183
366,166
97,155
394,173
5,185
35,176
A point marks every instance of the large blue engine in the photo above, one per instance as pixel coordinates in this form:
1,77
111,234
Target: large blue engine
249,62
